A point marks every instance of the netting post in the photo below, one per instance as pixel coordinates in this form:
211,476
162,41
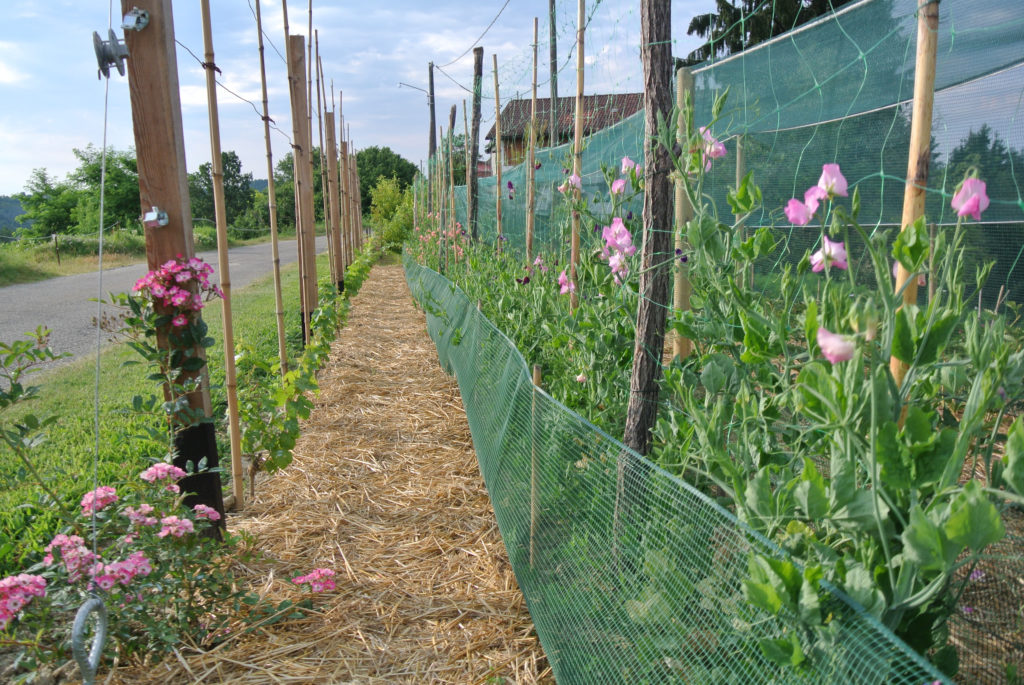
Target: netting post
497,153
334,225
655,269
472,191
920,148
465,141
451,175
577,154
432,150
534,508
553,78
531,196
683,213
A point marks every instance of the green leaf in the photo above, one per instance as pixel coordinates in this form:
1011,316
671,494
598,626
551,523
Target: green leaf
1013,458
973,520
811,328
936,338
758,496
785,651
893,457
911,246
903,337
925,543
810,492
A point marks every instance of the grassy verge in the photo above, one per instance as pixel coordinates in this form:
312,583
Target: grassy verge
66,459
37,261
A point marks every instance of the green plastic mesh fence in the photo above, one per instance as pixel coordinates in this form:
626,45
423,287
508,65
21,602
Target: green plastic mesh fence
643,588
837,89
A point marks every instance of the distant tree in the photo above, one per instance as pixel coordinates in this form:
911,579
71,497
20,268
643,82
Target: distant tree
49,205
375,163
121,196
10,210
284,187
238,192
736,25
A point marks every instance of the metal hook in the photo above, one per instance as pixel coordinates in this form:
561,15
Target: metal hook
88,663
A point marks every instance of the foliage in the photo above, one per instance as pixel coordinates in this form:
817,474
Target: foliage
10,210
375,163
238,194
391,211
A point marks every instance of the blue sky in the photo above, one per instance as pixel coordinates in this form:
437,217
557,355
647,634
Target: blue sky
53,102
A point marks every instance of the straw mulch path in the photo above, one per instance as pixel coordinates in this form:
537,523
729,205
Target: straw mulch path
384,489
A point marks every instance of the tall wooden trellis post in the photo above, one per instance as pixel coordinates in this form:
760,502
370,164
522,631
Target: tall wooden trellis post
163,190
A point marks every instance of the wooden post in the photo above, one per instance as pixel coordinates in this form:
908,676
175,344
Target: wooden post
472,192
282,350
577,155
56,248
553,79
324,193
331,151
683,213
920,147
303,168
220,213
531,198
655,269
741,230
465,146
442,207
534,507
344,190
160,153
497,154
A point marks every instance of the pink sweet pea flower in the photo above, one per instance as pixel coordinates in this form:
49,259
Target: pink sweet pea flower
813,196
830,254
628,164
582,378
567,286
797,212
832,181
618,185
971,199
836,348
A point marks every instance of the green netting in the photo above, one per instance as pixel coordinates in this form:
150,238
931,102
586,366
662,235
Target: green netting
657,598
835,90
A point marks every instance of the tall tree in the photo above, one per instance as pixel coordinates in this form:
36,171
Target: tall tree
736,25
375,163
238,192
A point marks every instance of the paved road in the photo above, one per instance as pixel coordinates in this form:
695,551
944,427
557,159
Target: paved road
63,304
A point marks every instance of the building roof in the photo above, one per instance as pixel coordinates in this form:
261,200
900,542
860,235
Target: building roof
599,111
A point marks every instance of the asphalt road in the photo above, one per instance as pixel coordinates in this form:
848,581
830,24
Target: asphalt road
64,304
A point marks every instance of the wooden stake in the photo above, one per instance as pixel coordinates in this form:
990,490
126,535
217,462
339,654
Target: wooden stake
534,507
577,154
920,148
531,198
451,175
432,149
472,191
220,213
344,189
741,230
465,148
163,183
683,213
282,350
305,225
497,154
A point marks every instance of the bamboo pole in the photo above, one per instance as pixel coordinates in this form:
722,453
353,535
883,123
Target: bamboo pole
920,148
577,153
344,187
531,197
451,175
324,194
442,204
497,153
465,147
741,229
331,152
683,213
473,187
282,350
534,507
230,381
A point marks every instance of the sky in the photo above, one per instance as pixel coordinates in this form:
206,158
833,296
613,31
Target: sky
54,103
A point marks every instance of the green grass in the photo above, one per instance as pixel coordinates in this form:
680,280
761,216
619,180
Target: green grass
66,459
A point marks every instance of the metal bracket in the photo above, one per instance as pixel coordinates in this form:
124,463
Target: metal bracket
135,20
155,218
109,52
89,661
